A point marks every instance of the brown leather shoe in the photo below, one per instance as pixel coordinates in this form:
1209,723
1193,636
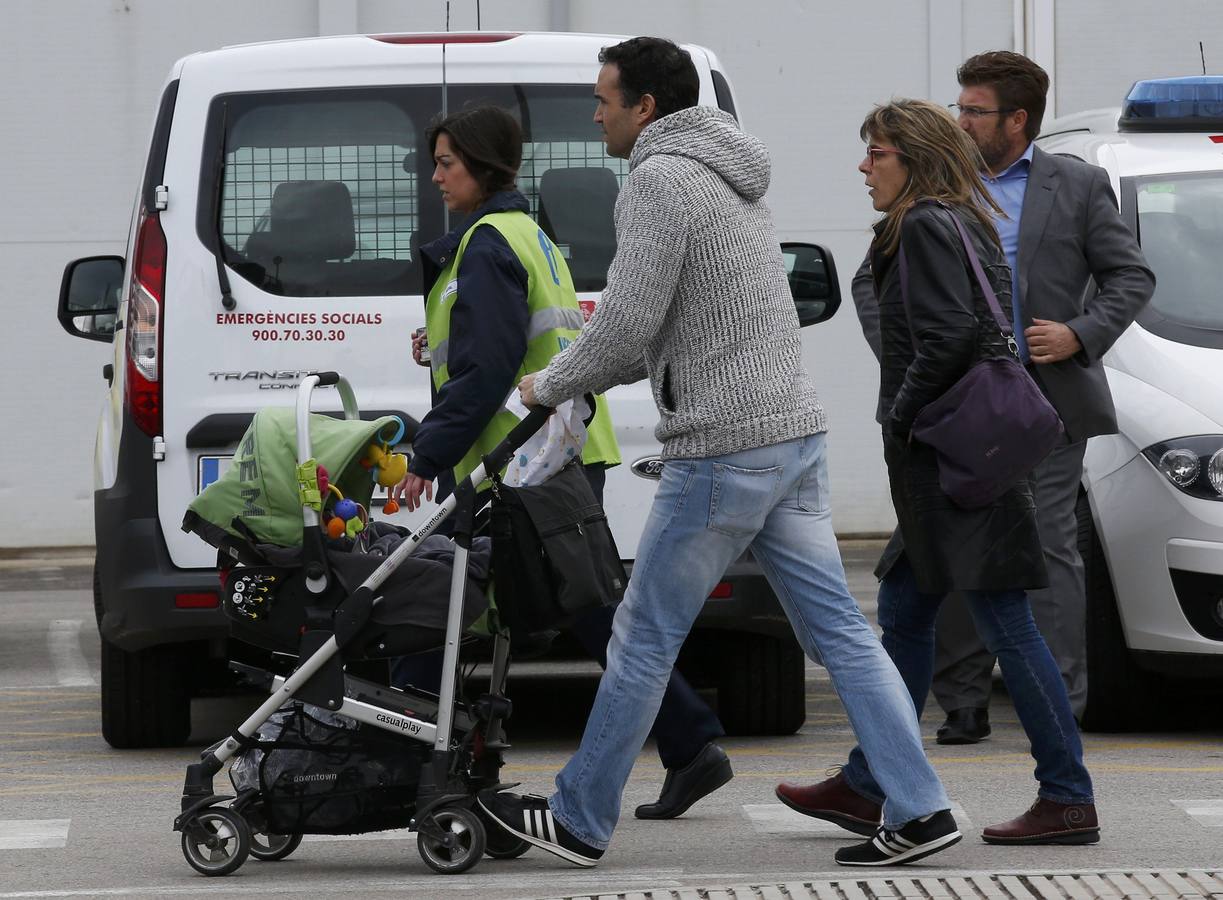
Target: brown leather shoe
1048,822
834,801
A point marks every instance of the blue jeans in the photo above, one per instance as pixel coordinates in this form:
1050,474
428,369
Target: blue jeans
1004,621
684,724
706,512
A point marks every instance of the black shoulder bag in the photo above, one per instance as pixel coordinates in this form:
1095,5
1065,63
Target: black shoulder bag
553,552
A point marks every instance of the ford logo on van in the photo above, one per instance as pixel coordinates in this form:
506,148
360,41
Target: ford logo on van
648,467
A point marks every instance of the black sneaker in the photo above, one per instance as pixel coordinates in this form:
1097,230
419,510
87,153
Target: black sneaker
915,840
530,818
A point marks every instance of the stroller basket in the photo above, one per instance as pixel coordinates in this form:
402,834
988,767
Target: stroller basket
322,773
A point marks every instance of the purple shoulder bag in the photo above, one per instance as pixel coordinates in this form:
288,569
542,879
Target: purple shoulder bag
994,425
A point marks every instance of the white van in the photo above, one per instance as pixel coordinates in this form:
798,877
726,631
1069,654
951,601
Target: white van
274,233
1151,510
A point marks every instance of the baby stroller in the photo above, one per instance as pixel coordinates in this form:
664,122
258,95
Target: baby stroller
397,758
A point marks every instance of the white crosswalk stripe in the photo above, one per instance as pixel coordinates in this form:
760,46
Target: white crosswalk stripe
1204,812
34,834
775,818
64,649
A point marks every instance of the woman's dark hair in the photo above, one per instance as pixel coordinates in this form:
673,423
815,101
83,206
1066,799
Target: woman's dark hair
1018,82
654,66
489,142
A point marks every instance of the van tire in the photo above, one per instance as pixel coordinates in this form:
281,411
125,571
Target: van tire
1120,695
146,701
765,694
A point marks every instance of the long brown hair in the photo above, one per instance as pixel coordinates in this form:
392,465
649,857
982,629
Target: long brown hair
943,163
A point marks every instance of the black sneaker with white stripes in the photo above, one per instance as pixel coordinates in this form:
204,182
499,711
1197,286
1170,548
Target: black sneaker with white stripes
530,818
913,841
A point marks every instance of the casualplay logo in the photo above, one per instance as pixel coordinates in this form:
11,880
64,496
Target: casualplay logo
402,724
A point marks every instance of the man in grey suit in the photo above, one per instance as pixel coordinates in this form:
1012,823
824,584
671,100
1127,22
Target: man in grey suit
1063,233
1079,279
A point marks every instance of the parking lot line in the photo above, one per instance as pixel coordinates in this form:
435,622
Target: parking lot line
64,644
34,834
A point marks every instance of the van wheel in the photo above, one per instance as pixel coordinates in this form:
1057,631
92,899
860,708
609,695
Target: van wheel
145,697
1120,695
766,692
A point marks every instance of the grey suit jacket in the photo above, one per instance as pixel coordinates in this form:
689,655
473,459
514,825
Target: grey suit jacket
1078,263
1069,234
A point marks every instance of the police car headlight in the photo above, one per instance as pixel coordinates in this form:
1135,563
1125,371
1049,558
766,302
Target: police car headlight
1192,464
1180,466
1214,472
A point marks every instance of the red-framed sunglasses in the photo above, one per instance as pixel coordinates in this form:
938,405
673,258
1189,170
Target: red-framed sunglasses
875,152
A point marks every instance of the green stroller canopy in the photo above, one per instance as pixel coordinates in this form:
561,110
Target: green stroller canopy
263,488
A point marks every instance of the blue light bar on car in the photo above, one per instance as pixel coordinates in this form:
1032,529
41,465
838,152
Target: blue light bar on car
1193,103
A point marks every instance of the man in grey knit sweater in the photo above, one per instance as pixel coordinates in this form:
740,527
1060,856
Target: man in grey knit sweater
697,300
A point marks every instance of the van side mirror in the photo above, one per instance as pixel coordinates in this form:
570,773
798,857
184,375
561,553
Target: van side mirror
89,297
813,282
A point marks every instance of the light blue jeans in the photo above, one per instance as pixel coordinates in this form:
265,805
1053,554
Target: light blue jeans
706,512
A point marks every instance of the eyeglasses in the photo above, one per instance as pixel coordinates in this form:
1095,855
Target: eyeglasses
976,112
875,152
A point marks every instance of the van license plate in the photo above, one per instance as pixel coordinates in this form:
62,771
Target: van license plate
210,469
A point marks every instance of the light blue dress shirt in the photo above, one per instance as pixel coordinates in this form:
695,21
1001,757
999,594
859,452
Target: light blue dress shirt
1008,189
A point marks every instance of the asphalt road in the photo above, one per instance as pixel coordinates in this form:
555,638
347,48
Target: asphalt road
78,819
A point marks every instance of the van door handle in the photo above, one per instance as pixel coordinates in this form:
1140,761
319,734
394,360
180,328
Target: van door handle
108,372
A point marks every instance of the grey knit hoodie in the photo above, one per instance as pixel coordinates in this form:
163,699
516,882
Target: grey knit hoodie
696,297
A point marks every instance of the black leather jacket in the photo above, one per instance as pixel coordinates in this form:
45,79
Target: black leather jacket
927,344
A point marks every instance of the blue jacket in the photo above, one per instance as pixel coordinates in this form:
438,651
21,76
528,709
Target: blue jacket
488,339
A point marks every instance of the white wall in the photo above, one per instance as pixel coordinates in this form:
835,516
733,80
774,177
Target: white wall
82,78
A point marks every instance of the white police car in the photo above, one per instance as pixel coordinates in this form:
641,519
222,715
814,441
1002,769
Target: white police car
1151,511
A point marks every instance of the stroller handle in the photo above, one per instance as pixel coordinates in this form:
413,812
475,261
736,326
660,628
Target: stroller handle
304,390
304,451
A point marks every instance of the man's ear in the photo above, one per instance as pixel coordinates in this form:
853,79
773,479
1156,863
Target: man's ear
1021,119
646,109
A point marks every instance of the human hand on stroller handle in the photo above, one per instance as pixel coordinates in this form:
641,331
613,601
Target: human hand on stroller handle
526,388
407,493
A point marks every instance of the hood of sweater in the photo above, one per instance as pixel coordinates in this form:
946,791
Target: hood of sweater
713,138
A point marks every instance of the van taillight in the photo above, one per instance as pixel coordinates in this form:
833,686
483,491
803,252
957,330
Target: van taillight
144,326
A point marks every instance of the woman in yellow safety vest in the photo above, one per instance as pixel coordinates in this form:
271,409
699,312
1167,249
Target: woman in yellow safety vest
499,304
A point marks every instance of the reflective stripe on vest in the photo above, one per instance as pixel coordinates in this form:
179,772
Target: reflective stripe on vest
554,321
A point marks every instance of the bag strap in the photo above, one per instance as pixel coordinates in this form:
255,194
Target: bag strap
1004,326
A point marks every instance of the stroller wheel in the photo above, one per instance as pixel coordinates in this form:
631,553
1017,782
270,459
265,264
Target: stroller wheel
271,847
462,846
266,846
217,841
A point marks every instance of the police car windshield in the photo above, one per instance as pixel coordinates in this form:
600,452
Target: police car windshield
1180,227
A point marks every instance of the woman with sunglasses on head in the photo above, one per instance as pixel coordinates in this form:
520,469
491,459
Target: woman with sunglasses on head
923,173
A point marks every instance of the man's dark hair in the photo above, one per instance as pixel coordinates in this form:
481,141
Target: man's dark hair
489,142
1018,82
654,66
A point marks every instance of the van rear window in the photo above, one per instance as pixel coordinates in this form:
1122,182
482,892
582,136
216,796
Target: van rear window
328,193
